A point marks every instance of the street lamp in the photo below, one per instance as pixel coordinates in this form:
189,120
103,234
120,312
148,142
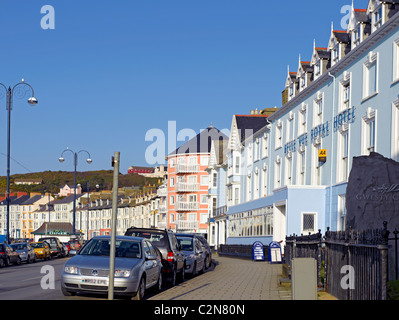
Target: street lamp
75,157
19,92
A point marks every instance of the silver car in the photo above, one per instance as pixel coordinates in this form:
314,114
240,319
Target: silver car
195,254
137,268
25,251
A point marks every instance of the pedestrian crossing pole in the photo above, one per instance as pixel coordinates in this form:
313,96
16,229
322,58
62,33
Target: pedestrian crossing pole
115,164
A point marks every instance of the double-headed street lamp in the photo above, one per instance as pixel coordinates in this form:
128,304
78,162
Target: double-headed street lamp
19,92
75,157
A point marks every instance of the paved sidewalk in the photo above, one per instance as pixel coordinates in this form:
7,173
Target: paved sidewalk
231,279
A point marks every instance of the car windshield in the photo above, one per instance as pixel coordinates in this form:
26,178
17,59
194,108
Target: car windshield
102,247
157,239
37,245
19,246
186,244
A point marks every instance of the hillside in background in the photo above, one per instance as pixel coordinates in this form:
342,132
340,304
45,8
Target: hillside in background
53,181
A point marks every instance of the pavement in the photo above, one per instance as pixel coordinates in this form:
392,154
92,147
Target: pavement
232,279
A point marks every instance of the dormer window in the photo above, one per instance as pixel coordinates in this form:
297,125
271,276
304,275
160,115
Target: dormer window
317,68
335,53
302,81
377,18
356,36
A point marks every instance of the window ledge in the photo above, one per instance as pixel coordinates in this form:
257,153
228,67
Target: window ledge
369,97
395,82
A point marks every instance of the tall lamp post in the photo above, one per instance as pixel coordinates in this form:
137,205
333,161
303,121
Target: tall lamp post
19,92
75,157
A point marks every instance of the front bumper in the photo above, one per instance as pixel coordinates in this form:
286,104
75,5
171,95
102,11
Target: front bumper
89,284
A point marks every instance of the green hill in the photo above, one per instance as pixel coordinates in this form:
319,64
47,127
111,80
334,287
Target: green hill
52,181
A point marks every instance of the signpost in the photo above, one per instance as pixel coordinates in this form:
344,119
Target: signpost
258,253
275,255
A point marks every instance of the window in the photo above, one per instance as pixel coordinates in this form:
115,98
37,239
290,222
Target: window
343,154
256,184
172,163
301,168
249,187
302,81
377,18
264,181
265,145
237,165
288,171
370,76
345,92
317,68
335,53
257,149
369,131
215,179
277,173
172,182
279,135
204,199
356,36
236,196
396,60
204,180
342,212
172,200
302,120
308,223
316,165
318,110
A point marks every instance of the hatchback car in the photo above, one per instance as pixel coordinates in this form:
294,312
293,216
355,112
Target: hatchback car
173,259
205,245
138,267
56,248
42,250
8,255
195,254
25,251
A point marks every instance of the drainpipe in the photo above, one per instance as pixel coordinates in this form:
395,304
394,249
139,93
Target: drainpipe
332,146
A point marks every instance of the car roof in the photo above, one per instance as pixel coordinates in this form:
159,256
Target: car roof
120,238
148,230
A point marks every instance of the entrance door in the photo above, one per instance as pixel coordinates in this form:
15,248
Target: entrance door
280,222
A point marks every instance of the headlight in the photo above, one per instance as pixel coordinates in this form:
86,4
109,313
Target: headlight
122,273
191,256
71,270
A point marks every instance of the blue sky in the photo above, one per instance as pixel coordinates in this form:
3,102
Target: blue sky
111,71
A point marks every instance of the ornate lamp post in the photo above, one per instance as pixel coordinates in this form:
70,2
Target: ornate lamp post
75,157
20,90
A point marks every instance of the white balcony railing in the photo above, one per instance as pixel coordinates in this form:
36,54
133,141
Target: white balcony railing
187,187
163,208
187,225
186,206
187,168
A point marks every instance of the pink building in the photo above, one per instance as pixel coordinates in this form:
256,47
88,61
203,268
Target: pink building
188,183
68,190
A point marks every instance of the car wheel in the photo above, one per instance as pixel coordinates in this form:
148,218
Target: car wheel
173,278
18,261
2,264
203,267
195,269
140,291
183,274
207,262
8,261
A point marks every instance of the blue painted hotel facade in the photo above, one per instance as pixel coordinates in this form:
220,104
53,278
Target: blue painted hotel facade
287,172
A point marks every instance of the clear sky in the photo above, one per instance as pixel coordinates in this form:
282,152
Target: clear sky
111,71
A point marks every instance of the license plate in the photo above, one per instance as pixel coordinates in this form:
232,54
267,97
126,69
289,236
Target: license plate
96,281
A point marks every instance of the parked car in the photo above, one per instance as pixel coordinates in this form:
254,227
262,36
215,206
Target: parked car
25,251
195,254
173,259
205,245
75,244
56,247
138,267
42,250
9,255
65,248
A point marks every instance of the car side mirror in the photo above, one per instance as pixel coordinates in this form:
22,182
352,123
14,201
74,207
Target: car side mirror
151,257
73,252
179,247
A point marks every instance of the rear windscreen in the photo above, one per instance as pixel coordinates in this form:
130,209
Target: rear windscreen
157,239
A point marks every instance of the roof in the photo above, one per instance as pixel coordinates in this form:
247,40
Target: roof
67,199
362,16
55,228
32,200
342,36
249,125
202,142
